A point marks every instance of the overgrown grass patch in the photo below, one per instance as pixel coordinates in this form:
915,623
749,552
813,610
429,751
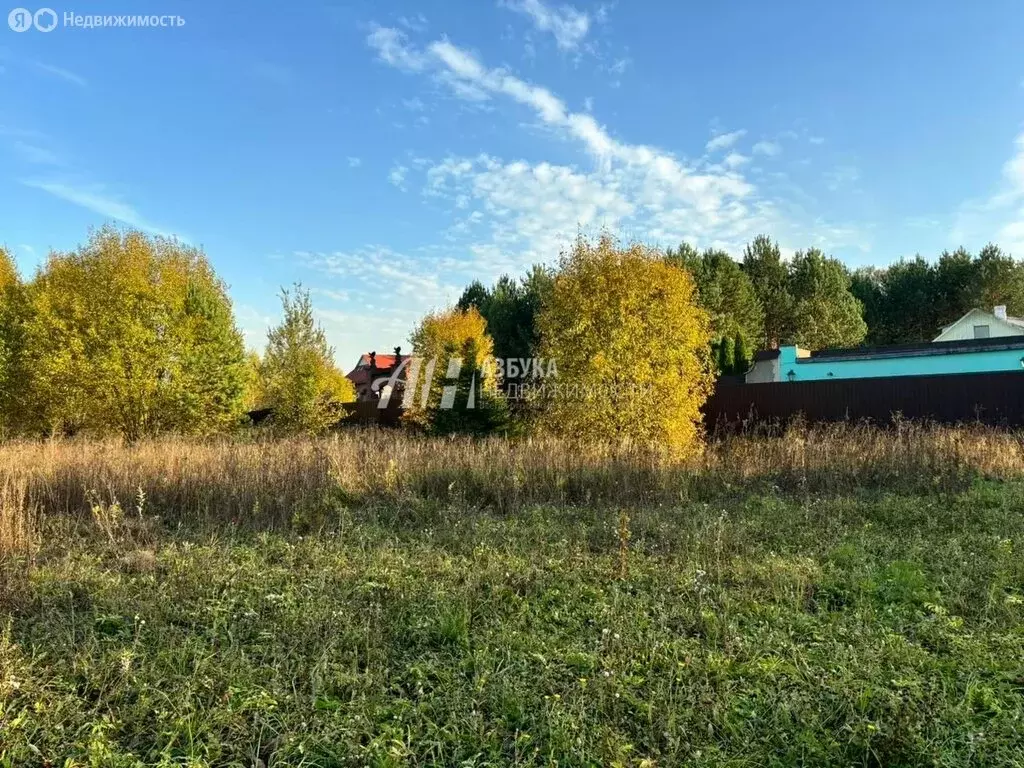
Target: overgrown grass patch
770,628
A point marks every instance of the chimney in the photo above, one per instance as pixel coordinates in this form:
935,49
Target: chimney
373,360
398,355
1000,312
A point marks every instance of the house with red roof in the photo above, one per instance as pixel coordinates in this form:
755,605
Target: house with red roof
373,367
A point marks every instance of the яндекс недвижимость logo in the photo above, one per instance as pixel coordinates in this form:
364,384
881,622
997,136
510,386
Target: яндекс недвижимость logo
22,19
47,20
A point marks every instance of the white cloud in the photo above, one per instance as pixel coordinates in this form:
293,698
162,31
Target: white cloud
660,196
617,69
392,49
817,140
666,176
503,215
1000,217
768,148
568,25
529,211
417,23
385,283
1012,233
96,199
354,162
735,160
724,140
397,176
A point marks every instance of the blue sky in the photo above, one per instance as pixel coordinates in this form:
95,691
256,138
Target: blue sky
385,154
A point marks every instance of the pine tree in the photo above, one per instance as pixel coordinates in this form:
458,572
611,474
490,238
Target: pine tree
762,262
724,290
826,314
476,408
726,356
742,354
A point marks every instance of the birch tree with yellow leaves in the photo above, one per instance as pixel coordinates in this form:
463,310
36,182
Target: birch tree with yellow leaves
129,335
10,336
631,346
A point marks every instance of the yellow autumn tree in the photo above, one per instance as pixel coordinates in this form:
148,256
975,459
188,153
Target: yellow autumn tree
8,269
130,335
631,347
438,340
11,316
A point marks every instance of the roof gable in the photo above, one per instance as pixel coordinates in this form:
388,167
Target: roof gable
1014,325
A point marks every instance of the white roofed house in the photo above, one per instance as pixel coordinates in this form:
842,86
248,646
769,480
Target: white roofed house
979,324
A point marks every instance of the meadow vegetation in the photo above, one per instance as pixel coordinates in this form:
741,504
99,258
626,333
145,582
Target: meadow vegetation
828,596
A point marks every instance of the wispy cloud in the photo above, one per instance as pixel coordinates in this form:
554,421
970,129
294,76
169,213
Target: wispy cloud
1012,232
568,25
397,176
724,140
457,66
96,199
354,162
735,160
1000,217
64,74
767,148
658,192
505,215
417,23
392,49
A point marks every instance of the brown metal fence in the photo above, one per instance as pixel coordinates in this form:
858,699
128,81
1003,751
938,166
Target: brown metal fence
369,413
990,398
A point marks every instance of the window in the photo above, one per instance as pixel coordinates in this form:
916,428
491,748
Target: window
981,331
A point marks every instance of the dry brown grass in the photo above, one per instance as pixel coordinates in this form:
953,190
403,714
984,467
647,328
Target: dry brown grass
18,538
264,483
17,521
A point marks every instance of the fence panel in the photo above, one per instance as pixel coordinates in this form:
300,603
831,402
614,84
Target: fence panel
990,398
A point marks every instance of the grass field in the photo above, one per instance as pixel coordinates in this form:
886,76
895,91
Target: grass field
829,597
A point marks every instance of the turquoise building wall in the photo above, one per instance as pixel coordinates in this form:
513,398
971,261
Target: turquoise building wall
911,364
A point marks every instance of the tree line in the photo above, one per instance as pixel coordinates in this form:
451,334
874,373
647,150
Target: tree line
912,299
135,335
764,301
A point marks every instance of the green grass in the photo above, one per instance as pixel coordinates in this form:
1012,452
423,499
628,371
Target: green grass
773,629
